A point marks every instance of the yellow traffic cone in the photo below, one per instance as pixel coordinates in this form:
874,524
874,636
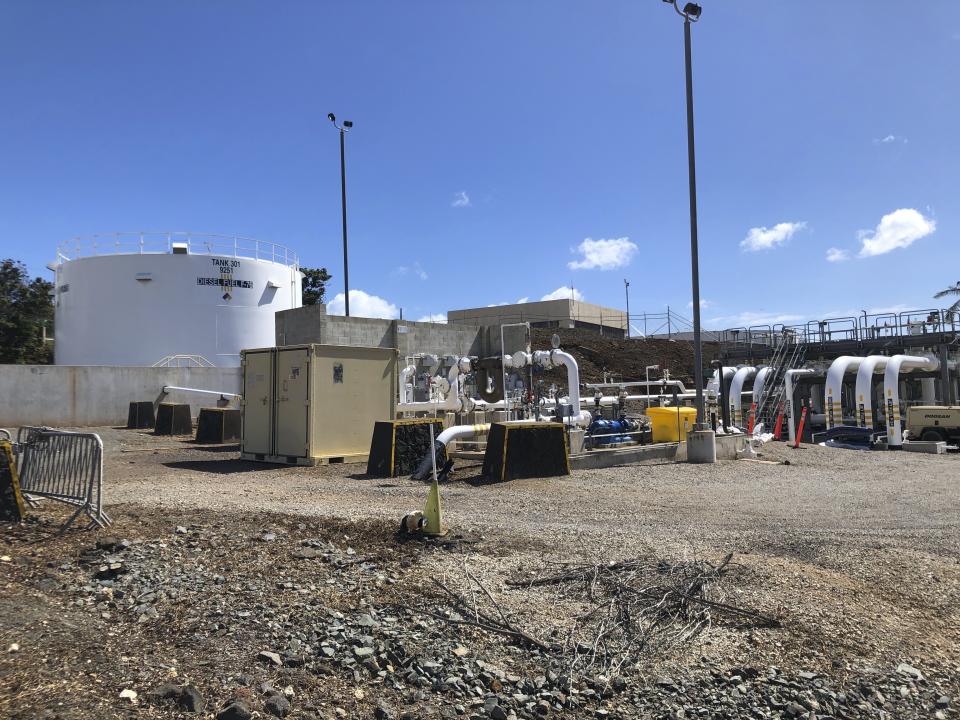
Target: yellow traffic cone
432,512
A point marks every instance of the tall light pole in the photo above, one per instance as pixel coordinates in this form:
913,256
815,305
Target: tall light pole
626,289
690,14
347,124
701,445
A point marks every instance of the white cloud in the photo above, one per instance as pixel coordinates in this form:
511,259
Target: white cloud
746,319
564,293
704,303
762,238
521,301
889,309
460,199
415,269
434,318
364,305
837,255
603,254
899,229
887,139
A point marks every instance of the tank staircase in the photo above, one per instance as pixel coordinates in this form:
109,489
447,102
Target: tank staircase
788,354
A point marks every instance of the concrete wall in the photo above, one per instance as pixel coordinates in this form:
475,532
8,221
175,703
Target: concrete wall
545,313
84,396
311,324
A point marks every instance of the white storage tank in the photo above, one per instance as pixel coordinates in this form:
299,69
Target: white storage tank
169,298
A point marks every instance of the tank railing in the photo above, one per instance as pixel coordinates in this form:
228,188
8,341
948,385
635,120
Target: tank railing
760,334
833,329
864,328
734,336
878,325
926,321
151,242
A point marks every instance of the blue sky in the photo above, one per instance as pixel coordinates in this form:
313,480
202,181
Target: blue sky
494,138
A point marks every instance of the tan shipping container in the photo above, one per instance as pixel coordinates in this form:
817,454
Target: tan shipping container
309,404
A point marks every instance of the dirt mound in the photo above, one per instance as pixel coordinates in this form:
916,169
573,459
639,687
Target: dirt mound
625,358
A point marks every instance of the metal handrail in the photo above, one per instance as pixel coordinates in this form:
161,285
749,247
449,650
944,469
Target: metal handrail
161,242
864,327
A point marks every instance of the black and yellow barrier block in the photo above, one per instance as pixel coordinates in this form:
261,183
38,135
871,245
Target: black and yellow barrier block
173,419
526,450
398,446
140,415
218,425
11,500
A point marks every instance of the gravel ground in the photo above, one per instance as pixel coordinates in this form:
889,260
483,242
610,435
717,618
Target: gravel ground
856,554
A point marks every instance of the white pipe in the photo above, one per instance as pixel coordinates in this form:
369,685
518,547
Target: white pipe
451,401
760,381
456,432
832,405
460,431
891,390
640,383
788,397
402,382
864,388
573,374
713,386
736,389
224,395
583,418
554,358
928,391
614,399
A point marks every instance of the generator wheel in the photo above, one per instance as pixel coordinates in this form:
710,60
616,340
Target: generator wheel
932,435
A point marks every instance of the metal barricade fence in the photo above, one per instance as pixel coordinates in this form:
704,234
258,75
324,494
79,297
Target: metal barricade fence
64,466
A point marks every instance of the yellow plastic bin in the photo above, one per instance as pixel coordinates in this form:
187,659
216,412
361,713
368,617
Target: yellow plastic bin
665,425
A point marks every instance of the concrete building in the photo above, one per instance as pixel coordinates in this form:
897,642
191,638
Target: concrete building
547,314
311,324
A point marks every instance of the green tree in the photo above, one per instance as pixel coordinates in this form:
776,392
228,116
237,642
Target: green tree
25,308
314,285
952,290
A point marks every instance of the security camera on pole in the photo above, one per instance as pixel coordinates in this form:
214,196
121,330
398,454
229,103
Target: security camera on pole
702,442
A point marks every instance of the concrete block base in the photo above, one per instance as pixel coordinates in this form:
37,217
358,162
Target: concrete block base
140,416
934,448
701,446
218,425
173,419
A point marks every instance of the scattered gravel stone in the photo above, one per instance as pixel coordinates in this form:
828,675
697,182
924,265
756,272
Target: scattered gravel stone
271,658
277,705
235,710
384,711
186,698
909,670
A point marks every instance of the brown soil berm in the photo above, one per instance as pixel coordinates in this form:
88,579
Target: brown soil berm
623,357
